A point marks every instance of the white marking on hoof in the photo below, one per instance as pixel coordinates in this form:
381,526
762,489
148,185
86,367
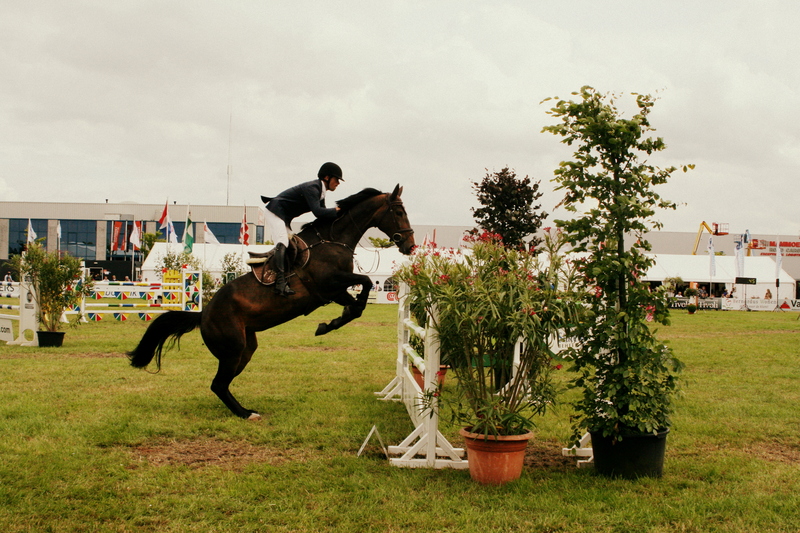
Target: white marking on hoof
254,416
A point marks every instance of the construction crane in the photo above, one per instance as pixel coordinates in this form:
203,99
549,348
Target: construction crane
718,229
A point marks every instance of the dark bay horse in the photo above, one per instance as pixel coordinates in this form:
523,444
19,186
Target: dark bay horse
244,306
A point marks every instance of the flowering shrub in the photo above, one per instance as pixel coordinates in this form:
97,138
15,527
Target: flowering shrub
482,301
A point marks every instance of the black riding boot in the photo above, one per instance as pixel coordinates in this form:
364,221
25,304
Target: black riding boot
281,287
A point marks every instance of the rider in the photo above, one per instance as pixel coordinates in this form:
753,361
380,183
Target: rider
293,202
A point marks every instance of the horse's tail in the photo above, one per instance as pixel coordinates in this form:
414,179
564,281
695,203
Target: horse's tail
170,325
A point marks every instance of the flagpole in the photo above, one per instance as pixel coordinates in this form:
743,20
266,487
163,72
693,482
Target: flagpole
778,261
133,254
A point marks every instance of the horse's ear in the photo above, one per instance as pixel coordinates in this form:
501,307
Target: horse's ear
398,190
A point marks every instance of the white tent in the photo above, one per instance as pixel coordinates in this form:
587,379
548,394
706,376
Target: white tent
697,268
209,255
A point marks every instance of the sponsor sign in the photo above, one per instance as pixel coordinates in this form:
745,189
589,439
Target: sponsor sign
789,305
754,304
702,303
6,330
769,247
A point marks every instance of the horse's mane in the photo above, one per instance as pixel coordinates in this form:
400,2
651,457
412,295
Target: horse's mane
345,204
351,201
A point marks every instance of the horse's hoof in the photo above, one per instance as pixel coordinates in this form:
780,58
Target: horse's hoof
254,416
322,329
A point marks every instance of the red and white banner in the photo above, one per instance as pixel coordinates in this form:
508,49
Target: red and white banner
116,229
244,234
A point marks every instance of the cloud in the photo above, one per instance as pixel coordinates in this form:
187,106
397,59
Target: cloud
137,101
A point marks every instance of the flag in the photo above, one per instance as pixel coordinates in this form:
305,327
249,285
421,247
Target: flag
58,230
778,261
166,223
115,236
208,237
164,220
31,233
244,234
173,238
136,235
712,264
739,259
188,234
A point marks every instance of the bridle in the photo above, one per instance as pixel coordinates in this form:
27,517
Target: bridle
398,236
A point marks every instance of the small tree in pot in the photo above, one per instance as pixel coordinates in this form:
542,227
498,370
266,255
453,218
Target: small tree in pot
628,377
58,280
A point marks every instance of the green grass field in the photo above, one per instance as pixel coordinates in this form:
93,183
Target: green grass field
88,443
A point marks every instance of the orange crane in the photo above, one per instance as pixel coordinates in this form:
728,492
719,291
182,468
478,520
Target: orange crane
719,229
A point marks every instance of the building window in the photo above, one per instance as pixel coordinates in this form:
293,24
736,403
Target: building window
78,238
18,233
226,232
389,285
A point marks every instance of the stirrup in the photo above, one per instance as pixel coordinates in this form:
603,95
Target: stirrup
286,290
283,288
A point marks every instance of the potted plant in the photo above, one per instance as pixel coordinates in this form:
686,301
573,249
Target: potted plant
628,377
482,301
692,308
59,283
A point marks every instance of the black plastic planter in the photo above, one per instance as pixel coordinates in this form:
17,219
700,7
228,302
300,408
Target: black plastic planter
50,339
632,457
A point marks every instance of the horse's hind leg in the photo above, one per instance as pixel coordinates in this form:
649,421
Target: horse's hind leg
233,358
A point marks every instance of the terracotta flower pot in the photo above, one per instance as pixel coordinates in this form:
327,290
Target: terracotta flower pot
420,379
495,460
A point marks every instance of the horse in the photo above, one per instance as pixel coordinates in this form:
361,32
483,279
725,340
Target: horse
246,305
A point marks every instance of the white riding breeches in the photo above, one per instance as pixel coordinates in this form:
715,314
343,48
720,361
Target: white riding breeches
280,231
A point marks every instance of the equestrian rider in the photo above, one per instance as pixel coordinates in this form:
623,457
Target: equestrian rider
293,202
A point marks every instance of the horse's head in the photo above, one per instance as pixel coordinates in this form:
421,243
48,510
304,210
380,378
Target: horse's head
394,222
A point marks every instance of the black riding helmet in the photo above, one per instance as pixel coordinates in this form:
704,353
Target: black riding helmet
330,169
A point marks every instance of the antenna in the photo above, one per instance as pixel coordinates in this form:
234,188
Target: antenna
230,169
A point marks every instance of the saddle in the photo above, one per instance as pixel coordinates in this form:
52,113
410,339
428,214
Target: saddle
261,263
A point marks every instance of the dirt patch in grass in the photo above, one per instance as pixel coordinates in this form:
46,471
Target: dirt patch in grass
199,453
546,455
775,451
733,333
55,353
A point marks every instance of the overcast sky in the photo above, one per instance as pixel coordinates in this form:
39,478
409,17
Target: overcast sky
140,100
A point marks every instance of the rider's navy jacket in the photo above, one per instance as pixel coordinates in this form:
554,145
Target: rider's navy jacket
298,200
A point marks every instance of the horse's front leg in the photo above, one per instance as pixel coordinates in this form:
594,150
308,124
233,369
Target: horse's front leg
353,307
